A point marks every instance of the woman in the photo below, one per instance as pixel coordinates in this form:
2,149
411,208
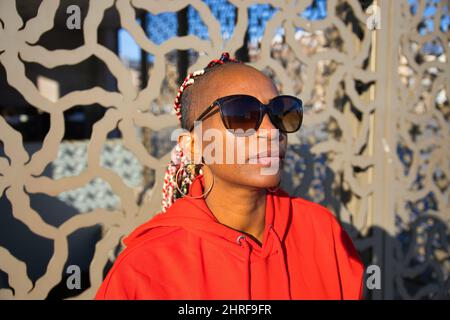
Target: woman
232,233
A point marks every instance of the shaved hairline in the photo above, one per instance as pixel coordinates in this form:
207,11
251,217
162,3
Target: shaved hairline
190,98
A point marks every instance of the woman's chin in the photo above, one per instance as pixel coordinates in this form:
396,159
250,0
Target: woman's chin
253,176
269,181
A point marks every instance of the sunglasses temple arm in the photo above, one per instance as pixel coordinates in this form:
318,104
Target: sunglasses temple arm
203,114
289,110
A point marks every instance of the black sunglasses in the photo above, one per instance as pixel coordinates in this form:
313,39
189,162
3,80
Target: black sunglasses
244,112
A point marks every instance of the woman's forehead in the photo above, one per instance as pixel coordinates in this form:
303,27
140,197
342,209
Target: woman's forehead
238,79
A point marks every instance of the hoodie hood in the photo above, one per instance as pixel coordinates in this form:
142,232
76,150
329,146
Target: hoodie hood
193,215
185,253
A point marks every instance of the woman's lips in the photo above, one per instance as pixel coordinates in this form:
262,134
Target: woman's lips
265,160
268,160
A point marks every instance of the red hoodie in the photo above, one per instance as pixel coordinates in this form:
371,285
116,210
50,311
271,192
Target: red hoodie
186,253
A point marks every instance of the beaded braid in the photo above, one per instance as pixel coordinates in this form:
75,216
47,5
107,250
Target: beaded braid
179,161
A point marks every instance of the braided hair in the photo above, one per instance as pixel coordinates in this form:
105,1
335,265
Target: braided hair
179,161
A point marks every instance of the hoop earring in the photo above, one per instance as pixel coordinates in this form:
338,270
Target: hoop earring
185,194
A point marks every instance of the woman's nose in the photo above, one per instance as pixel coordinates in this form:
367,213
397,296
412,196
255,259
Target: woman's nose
267,128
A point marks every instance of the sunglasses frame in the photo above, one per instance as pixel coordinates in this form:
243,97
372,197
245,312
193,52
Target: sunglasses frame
263,110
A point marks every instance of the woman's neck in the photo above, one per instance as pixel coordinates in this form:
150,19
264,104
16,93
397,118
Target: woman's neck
238,207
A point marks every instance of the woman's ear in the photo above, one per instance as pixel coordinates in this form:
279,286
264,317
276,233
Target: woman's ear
190,149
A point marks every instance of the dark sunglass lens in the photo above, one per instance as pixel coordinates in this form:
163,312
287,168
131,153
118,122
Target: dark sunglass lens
240,113
287,113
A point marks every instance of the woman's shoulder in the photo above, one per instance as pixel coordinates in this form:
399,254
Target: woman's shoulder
151,241
318,229
145,245
131,268
305,209
315,220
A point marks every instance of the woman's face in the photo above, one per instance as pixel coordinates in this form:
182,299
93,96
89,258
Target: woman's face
233,159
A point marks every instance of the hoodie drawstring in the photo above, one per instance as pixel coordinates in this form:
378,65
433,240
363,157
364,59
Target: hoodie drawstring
247,279
242,241
286,282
